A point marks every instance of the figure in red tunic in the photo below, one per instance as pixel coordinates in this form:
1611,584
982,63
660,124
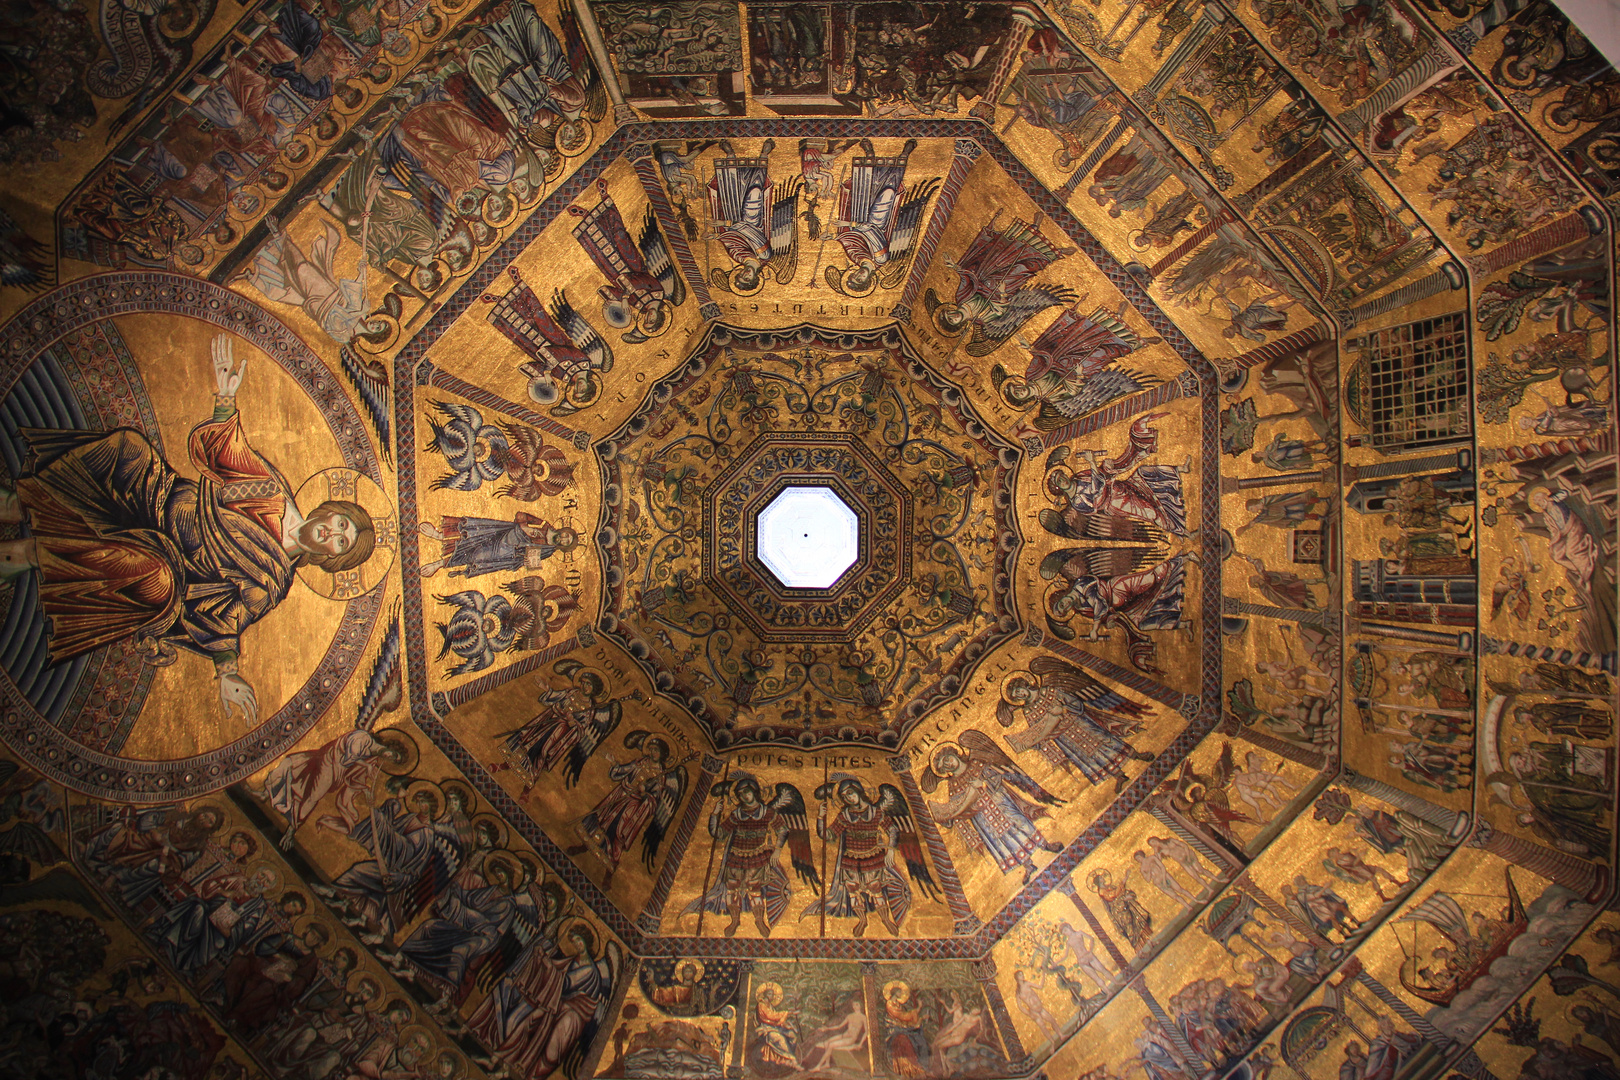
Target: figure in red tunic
755,831
125,547
649,791
644,282
996,293
874,838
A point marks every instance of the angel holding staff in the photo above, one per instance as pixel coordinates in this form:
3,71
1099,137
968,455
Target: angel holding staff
873,838
755,830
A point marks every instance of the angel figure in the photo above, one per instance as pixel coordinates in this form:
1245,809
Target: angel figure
878,221
1114,586
483,626
755,220
1071,368
572,723
1202,798
349,764
997,799
873,838
649,791
645,284
994,296
1126,487
755,830
1074,721
566,354
477,453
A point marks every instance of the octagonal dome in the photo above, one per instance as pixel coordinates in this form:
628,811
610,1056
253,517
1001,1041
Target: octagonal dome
807,537
761,627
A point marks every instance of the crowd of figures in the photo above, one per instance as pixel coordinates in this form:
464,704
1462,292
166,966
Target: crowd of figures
214,907
436,927
438,893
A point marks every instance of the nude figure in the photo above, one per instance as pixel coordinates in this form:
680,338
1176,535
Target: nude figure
1028,996
1262,788
1350,866
1079,943
1177,849
1154,871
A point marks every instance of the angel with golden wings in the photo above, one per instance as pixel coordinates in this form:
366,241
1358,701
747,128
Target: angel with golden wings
991,800
1074,721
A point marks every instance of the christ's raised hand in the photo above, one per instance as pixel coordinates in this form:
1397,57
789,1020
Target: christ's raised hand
227,369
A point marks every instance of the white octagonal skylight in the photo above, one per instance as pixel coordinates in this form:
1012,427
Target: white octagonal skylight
808,537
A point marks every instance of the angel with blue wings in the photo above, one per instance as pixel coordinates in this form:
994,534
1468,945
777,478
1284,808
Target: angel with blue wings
879,221
478,453
755,220
991,801
644,282
1072,720
482,626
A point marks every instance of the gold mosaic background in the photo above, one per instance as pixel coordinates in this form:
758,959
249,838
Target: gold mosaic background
1247,705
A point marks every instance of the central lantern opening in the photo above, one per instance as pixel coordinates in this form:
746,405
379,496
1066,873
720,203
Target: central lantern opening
808,537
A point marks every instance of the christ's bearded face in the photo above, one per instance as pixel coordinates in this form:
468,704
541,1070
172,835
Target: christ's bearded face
331,533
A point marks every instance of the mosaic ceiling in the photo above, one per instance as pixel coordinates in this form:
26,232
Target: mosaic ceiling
659,541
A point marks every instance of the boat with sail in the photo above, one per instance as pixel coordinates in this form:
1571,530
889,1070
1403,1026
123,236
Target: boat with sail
1470,950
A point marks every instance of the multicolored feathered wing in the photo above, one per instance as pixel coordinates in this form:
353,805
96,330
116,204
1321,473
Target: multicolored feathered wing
469,446
980,749
898,811
369,377
671,790
603,720
385,688
907,229
581,334
655,253
789,803
785,234
1097,697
